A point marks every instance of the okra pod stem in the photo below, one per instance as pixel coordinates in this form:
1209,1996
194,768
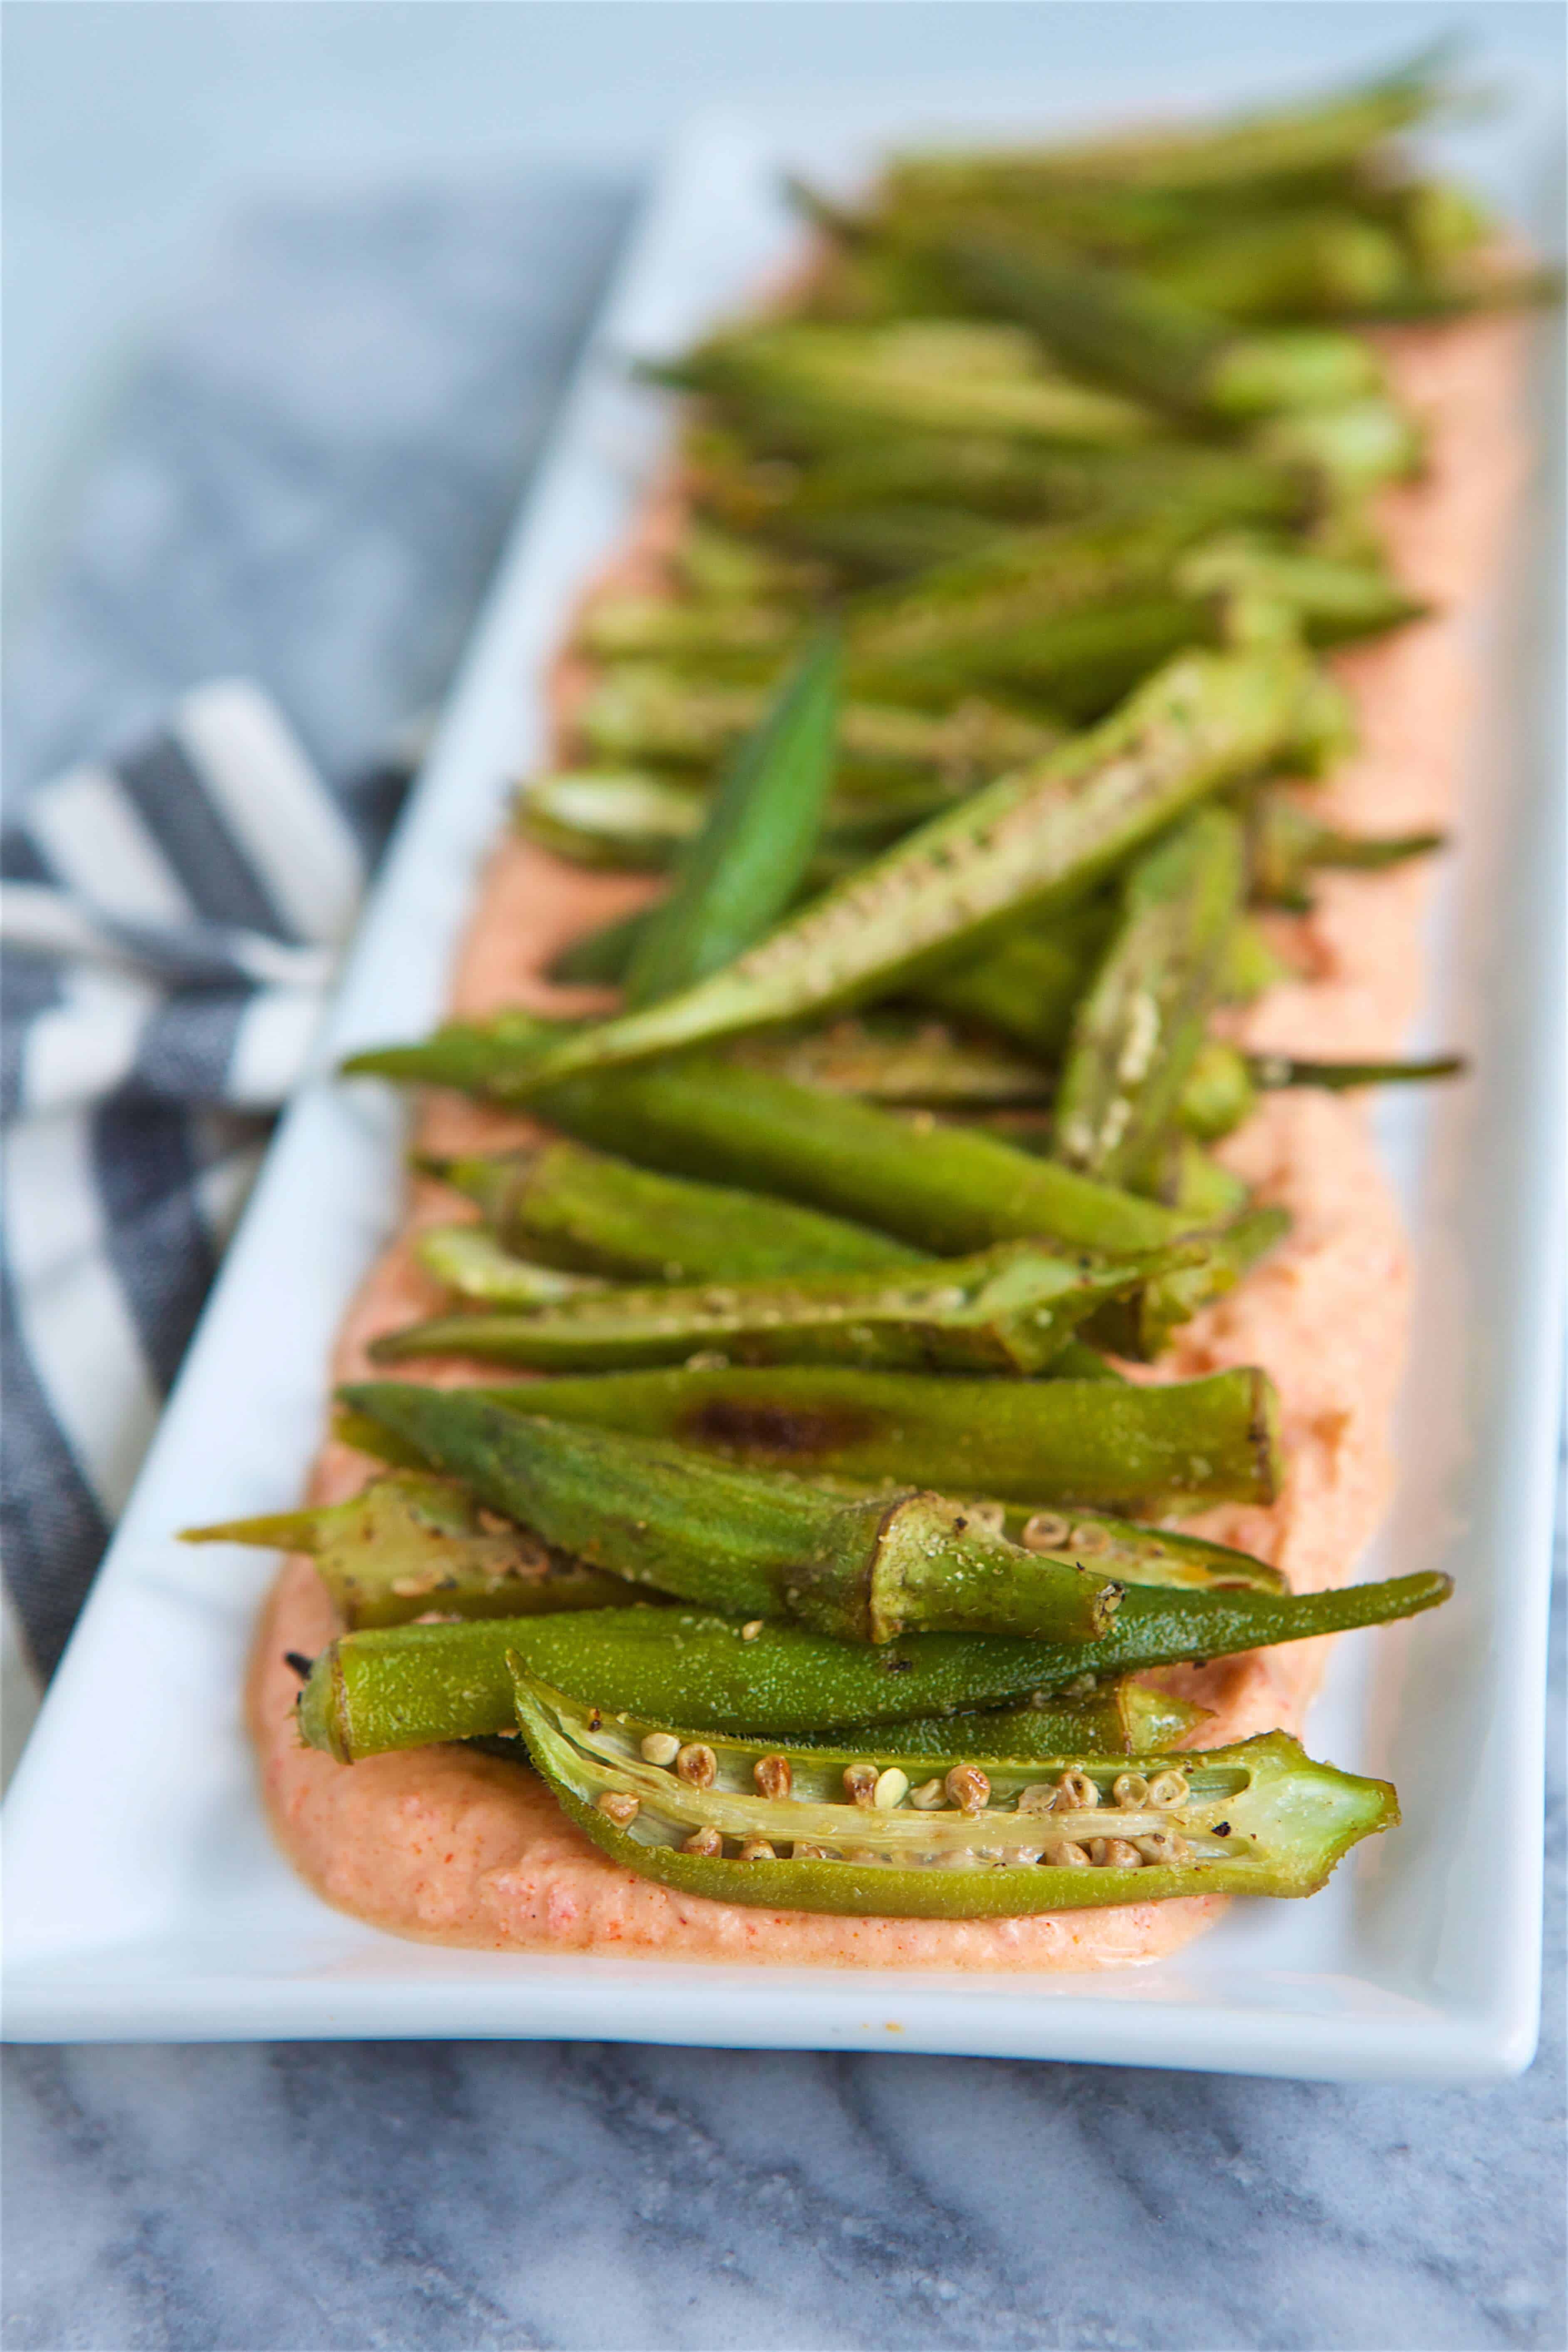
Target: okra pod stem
1113,1444
863,1569
1286,842
830,1829
411,1543
1222,1086
757,840
1053,830
407,1686
1009,1311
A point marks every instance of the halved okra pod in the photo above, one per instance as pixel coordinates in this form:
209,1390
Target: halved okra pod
1138,1031
406,1685
863,1568
1009,1311
412,1542
935,1836
1112,1444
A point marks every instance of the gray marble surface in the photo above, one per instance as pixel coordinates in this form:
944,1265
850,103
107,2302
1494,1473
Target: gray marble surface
308,484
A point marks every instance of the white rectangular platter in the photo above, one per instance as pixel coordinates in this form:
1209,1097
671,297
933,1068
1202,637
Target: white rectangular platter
144,1897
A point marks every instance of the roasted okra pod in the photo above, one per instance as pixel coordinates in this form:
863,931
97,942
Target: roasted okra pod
937,1836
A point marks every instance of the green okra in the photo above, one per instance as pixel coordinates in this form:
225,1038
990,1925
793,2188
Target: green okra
1139,1028
599,959
866,1569
1006,1311
593,1213
646,824
1131,1551
946,1192
757,840
909,1060
1111,1444
1301,142
727,640
1049,833
471,1262
1354,447
803,384
410,1543
640,711
833,1830
1150,343
1118,1717
408,1686
1286,844
950,473
1323,261
1027,984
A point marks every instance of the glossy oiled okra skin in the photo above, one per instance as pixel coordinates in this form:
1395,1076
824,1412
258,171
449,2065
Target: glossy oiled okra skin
406,1685
602,1216
861,1568
1169,1446
1008,1311
935,1836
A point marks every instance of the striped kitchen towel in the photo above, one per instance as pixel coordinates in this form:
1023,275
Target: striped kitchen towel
173,919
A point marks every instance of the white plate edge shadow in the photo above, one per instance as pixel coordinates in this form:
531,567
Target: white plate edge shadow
338,1145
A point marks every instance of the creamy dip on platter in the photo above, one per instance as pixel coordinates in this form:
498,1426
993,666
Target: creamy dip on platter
462,1848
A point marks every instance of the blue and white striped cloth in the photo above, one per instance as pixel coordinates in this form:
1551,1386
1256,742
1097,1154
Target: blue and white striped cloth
173,918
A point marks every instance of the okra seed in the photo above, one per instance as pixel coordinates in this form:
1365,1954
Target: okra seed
1046,1531
1039,1799
757,1850
991,1517
892,1787
772,1776
697,1764
1066,1854
1163,1846
1078,1792
1089,1538
928,1797
619,1807
706,1842
660,1747
860,1785
1169,1789
750,1631
1114,1853
1129,1789
968,1787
